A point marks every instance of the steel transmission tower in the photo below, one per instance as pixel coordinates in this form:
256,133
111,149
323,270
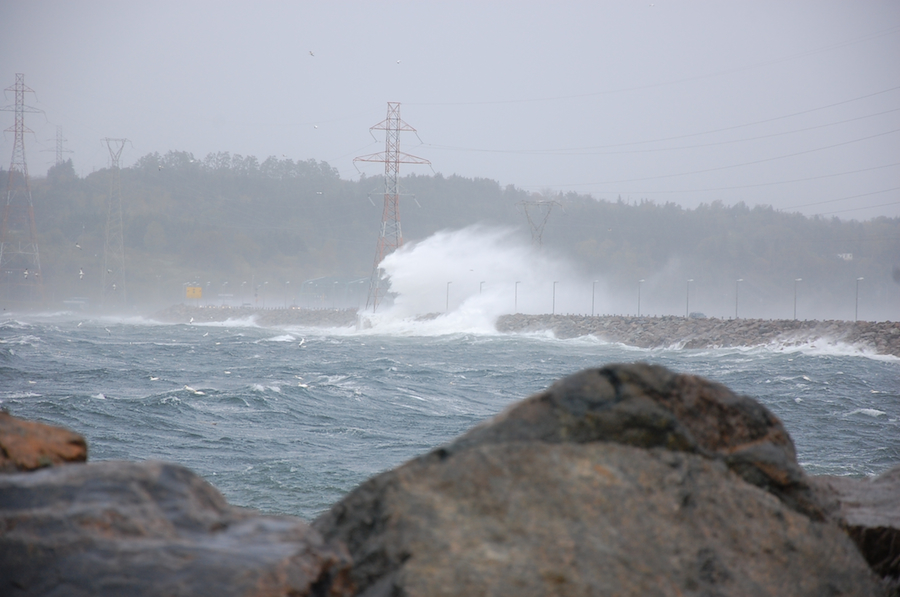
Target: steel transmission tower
541,212
391,237
20,264
60,146
113,275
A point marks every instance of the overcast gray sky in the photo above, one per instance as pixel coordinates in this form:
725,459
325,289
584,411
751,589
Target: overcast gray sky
794,104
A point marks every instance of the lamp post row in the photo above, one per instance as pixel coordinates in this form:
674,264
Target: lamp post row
687,301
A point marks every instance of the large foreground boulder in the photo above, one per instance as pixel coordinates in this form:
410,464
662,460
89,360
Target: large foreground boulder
136,529
625,480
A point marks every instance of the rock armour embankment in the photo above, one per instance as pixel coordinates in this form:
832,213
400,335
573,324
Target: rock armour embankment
882,337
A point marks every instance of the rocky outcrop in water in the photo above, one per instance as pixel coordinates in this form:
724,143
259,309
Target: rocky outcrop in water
626,480
658,332
27,446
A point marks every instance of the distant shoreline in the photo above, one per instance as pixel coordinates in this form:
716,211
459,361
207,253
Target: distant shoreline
882,337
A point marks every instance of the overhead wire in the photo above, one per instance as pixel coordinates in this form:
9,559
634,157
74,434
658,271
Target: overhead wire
592,150
826,213
677,137
841,199
718,168
788,58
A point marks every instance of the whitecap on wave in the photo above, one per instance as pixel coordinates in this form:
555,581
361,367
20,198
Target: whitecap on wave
282,338
21,340
829,347
14,324
263,388
16,395
869,412
237,322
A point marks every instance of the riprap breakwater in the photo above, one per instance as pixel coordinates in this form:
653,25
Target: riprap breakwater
882,337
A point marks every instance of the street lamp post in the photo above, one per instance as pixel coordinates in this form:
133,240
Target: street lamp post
447,309
641,281
357,294
687,300
795,296
856,312
553,312
516,298
593,292
736,286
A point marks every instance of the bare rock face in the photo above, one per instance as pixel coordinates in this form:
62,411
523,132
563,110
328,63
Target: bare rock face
150,528
625,480
869,510
27,445
649,406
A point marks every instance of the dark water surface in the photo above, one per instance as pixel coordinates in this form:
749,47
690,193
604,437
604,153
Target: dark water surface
289,420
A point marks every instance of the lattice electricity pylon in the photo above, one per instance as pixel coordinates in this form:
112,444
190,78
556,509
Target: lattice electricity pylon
541,211
113,275
60,146
391,237
20,263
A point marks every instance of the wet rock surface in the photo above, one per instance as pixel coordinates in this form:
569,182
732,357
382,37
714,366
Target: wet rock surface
625,480
881,337
150,528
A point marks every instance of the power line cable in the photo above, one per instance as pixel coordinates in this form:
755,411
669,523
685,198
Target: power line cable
591,150
788,58
676,137
718,168
749,186
840,199
857,208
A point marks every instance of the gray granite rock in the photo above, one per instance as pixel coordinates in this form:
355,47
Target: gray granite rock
150,528
869,510
626,480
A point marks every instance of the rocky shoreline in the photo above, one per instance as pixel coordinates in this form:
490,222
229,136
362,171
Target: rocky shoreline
628,480
881,337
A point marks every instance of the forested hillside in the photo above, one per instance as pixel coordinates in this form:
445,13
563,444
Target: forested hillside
232,223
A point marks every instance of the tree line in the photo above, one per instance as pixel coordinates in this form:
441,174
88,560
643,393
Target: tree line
231,222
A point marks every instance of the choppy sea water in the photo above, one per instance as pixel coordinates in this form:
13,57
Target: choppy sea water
288,421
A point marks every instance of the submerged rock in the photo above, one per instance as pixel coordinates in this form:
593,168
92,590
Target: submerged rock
625,480
150,528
